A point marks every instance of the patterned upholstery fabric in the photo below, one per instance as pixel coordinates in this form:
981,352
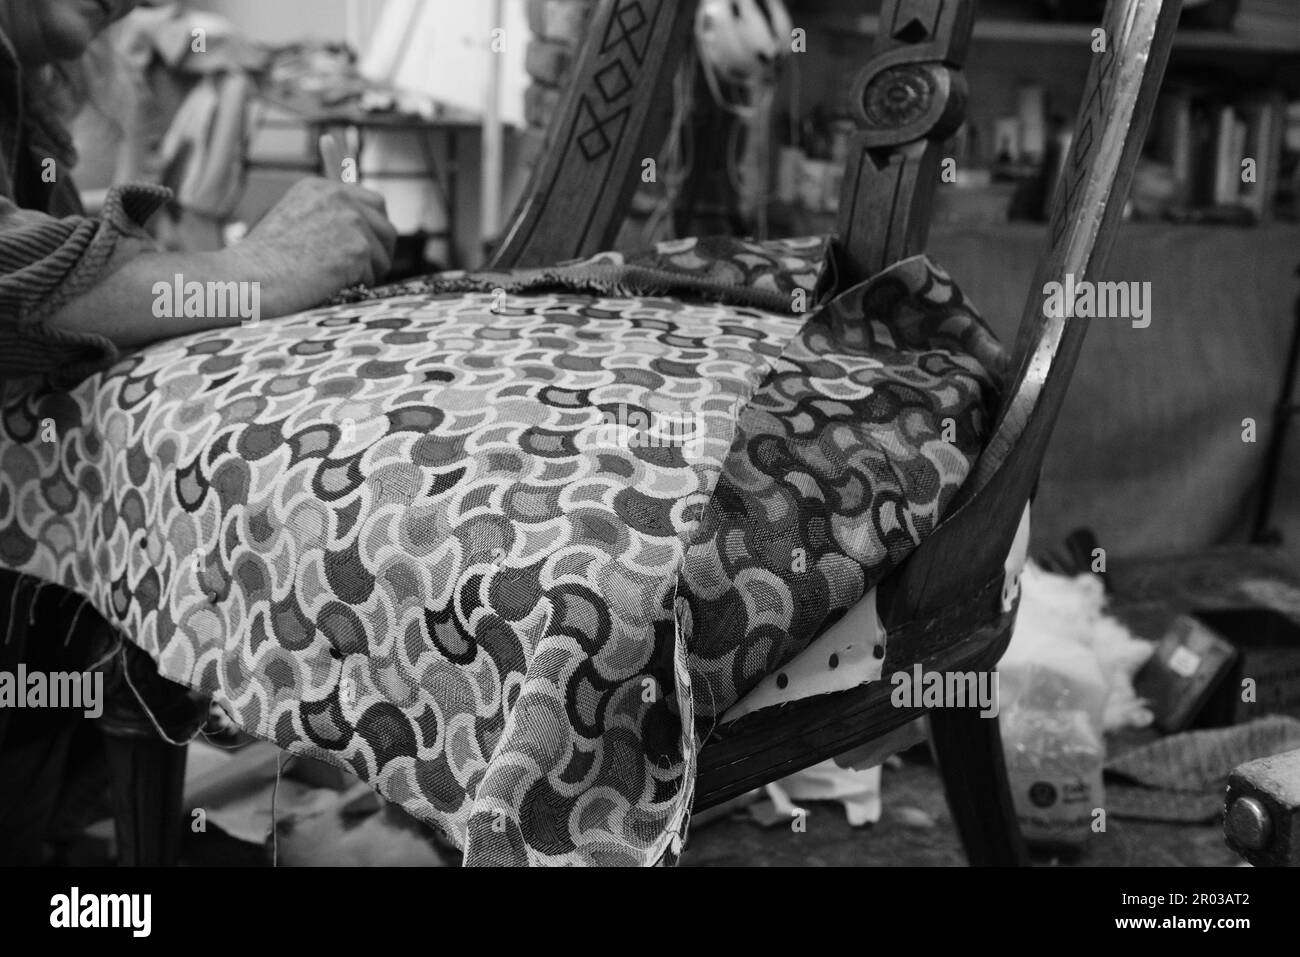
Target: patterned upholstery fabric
844,461
496,549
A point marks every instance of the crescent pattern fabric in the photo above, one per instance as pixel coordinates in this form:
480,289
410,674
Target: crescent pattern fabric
505,556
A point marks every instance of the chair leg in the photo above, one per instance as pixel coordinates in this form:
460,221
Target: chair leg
148,776
974,772
148,772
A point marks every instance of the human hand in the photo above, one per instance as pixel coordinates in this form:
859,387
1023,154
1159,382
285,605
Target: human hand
321,237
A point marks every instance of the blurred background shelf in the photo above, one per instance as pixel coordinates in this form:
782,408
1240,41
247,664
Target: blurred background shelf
1049,32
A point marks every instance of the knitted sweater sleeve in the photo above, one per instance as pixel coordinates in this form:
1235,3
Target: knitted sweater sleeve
45,262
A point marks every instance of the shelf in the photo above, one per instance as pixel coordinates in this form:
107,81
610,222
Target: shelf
1050,32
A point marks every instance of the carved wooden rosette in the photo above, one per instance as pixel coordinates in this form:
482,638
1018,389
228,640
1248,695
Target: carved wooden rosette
909,99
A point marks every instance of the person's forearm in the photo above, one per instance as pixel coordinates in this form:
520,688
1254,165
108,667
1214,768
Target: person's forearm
321,237
160,295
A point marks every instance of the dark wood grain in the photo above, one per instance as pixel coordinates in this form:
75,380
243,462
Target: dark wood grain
613,116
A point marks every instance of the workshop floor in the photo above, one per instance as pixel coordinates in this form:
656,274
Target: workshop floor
915,830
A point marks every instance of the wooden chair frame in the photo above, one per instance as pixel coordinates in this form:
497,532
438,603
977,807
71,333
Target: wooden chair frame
943,608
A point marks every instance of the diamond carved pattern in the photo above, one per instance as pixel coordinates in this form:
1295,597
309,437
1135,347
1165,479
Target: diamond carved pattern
613,81
598,135
626,42
629,26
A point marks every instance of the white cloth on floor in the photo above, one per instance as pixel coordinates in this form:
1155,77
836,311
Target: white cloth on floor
858,791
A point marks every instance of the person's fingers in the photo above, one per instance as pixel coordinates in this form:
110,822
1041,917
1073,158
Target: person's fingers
331,155
368,198
380,232
314,213
368,275
381,260
383,228
380,240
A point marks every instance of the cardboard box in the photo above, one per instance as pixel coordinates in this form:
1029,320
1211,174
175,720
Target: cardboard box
1268,642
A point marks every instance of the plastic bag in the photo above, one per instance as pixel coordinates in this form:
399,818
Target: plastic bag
1055,753
1065,679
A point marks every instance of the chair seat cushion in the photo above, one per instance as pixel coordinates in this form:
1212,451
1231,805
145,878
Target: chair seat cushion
504,554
